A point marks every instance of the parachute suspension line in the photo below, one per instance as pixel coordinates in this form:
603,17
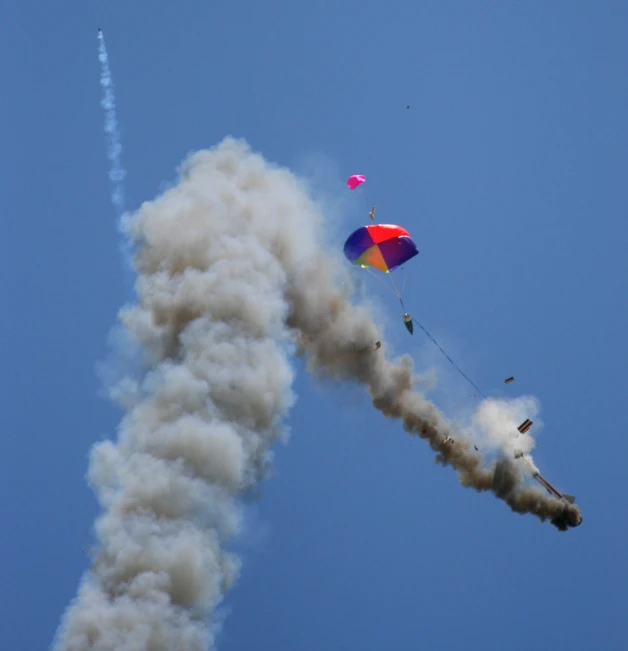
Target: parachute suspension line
396,293
466,377
405,279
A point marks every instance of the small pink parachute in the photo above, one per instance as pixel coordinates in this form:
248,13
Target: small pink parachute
355,180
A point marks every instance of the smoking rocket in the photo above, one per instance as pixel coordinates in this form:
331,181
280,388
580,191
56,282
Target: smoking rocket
550,488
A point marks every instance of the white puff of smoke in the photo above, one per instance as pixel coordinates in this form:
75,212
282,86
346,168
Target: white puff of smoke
495,422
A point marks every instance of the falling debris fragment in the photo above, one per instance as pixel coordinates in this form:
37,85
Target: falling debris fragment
378,345
372,213
525,426
508,380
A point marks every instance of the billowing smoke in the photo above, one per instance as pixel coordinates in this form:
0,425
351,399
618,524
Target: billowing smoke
495,424
338,339
232,273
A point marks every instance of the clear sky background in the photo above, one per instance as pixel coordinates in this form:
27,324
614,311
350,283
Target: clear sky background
509,169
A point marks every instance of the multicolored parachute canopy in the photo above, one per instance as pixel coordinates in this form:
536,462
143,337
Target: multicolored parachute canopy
355,180
381,246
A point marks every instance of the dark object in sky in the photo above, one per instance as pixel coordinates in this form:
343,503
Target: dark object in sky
407,319
525,426
408,106
508,380
552,490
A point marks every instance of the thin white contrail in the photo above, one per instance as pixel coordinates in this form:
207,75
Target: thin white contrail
117,172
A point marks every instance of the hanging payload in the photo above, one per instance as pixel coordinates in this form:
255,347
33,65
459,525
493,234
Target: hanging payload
407,319
372,213
355,180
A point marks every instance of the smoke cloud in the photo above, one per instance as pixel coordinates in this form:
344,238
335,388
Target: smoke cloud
233,278
495,424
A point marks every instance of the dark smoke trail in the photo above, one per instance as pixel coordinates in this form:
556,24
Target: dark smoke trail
231,270
338,340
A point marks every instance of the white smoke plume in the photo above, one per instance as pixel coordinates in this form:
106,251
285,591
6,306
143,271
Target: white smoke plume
117,172
232,271
496,421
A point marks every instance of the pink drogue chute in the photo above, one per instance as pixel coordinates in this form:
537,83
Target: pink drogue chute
355,180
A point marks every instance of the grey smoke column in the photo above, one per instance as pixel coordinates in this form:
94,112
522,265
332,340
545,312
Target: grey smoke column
338,339
197,432
231,269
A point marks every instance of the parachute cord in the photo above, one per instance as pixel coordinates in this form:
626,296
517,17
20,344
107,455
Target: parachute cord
466,377
405,279
383,283
398,294
395,291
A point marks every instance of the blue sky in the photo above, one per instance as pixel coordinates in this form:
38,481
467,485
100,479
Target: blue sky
508,169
